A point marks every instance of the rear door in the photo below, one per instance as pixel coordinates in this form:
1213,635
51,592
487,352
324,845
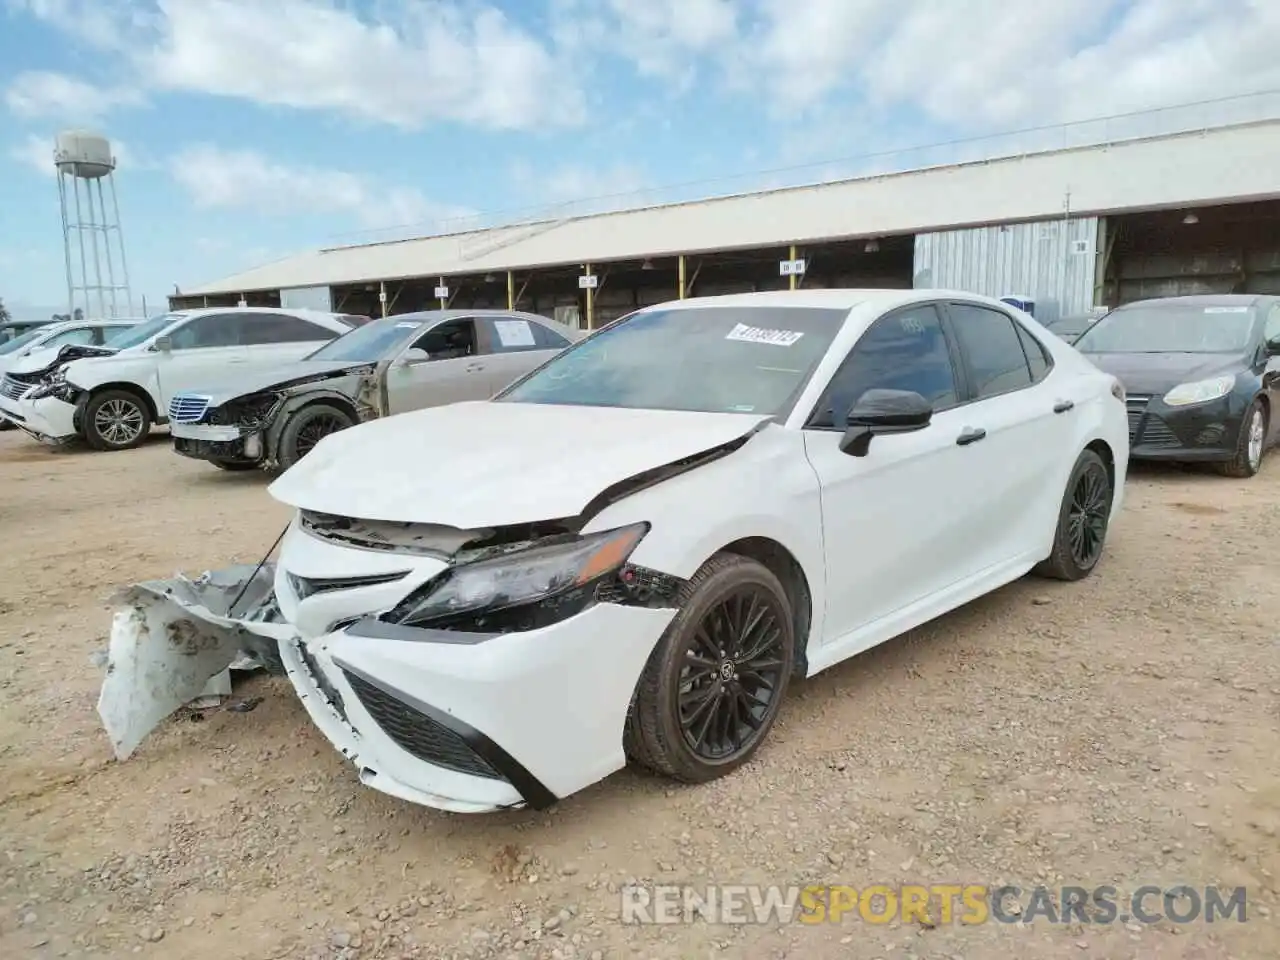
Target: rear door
446,364
1025,410
272,339
515,345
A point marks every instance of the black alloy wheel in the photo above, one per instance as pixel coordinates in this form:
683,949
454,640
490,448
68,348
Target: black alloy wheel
308,427
1090,508
732,672
1083,519
712,687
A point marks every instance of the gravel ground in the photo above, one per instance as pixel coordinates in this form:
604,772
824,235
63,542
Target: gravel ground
1123,730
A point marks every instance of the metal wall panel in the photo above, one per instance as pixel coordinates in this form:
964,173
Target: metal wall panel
1050,261
307,298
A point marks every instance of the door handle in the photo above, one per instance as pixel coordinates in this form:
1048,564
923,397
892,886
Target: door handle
970,435
474,367
1062,406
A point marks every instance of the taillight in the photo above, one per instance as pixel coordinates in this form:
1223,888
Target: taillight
1117,390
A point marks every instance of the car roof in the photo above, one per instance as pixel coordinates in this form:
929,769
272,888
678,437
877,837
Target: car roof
874,299
283,311
1204,300
449,314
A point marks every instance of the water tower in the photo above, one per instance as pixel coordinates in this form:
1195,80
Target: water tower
97,274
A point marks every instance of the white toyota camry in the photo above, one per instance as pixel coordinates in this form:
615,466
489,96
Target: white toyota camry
628,553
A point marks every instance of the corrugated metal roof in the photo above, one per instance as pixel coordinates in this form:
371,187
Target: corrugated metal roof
1203,167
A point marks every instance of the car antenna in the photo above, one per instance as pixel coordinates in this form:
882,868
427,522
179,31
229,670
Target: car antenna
261,564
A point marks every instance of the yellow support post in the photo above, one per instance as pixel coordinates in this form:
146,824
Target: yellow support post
382,295
792,278
511,290
591,300
682,277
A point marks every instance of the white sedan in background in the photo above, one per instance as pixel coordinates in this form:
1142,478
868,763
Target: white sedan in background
628,553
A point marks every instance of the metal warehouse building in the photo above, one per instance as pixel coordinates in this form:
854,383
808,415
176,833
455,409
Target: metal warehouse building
1071,228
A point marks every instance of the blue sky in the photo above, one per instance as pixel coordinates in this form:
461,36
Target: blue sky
247,130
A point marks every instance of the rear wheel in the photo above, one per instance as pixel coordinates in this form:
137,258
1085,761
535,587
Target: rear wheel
116,420
308,427
1250,444
1082,521
713,685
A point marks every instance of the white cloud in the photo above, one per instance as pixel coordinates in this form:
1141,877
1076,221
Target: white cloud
35,153
243,179
980,64
413,63
43,93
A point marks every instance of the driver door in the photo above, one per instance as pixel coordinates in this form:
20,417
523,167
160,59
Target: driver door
897,528
444,365
201,350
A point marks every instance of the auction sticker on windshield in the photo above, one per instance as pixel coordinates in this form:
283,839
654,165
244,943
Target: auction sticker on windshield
777,338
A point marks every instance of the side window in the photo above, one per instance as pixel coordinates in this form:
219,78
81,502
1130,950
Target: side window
992,349
83,335
260,328
1037,357
209,330
547,338
906,350
449,340
518,334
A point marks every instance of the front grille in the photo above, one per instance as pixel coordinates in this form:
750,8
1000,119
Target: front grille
14,388
187,408
1156,433
304,587
418,734
1147,428
1136,407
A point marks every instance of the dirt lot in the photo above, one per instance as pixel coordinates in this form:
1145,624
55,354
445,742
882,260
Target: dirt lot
1120,731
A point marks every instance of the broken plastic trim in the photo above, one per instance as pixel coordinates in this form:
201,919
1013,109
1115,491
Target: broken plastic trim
171,636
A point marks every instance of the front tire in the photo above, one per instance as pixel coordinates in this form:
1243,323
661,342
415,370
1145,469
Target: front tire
1083,519
308,427
116,420
1251,444
712,687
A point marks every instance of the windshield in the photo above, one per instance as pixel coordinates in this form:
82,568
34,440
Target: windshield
112,334
17,343
710,359
1170,328
144,331
368,343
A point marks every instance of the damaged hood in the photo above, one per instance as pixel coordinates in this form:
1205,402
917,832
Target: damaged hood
47,359
275,378
487,464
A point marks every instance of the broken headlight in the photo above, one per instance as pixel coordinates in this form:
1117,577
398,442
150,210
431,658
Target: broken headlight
519,578
245,411
54,385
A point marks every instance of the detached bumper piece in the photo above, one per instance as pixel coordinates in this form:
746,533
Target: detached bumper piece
438,738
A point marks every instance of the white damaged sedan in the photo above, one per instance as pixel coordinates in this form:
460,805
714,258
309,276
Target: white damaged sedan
628,553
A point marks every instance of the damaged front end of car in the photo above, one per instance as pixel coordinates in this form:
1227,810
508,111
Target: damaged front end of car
245,429
47,383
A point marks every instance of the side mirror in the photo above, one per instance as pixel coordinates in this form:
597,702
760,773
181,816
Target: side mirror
414,355
162,344
1273,347
885,412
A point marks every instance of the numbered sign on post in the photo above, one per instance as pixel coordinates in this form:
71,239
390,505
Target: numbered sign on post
791,268
442,293
588,281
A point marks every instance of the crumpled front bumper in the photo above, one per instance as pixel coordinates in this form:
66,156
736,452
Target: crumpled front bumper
462,722
48,418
